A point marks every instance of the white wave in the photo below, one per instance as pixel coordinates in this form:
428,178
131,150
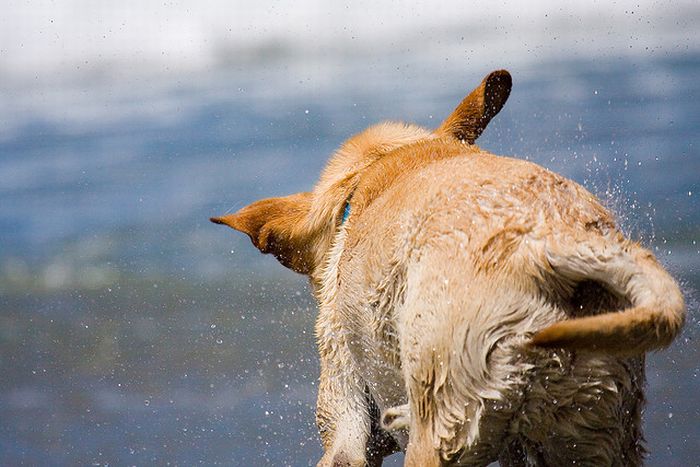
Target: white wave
56,40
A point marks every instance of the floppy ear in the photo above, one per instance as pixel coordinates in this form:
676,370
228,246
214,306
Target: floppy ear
472,115
277,226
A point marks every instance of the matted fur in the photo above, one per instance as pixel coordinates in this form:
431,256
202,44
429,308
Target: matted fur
472,308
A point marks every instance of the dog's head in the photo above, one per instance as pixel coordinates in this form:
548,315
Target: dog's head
298,229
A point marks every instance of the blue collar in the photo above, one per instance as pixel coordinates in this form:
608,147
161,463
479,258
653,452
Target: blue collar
346,212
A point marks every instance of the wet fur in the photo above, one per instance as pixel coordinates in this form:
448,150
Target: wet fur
472,308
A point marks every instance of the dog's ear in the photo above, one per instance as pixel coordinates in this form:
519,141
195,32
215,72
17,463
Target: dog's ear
472,115
277,226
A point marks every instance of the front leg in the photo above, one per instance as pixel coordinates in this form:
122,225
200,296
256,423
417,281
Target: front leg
342,412
347,416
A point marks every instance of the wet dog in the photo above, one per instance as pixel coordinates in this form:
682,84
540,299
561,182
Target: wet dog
472,307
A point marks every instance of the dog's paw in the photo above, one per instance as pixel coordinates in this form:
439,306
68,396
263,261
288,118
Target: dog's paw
396,418
341,459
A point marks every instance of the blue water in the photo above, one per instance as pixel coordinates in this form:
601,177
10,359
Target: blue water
133,331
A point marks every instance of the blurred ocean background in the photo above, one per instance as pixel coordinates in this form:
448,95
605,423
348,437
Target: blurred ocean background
134,332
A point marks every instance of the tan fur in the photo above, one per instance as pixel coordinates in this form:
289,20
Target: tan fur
487,308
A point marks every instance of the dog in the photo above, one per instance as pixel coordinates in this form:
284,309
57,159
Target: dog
472,308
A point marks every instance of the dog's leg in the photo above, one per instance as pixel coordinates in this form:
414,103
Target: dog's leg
420,451
457,374
342,417
423,449
347,417
350,424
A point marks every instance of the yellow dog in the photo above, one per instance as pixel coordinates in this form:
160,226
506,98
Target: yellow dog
472,307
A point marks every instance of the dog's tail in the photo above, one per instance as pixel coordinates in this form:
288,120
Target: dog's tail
629,271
